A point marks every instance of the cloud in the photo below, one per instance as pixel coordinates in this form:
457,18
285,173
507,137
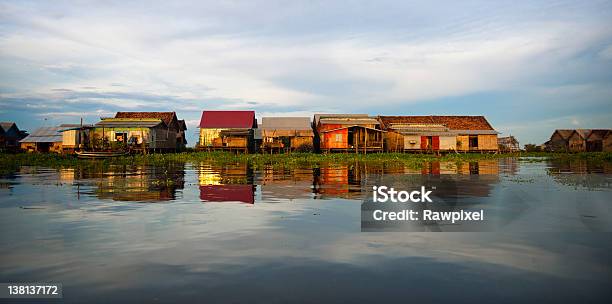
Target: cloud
304,57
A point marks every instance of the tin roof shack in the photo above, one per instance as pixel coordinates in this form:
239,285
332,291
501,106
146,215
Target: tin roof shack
508,144
45,139
559,140
227,131
414,134
286,134
10,135
138,134
348,133
75,137
175,128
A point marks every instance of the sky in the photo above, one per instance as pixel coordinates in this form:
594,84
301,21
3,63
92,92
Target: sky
528,66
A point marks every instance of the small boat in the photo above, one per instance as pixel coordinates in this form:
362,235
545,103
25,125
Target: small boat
100,154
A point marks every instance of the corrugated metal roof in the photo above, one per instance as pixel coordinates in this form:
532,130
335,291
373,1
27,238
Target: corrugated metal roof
228,119
352,126
285,123
317,117
44,135
349,121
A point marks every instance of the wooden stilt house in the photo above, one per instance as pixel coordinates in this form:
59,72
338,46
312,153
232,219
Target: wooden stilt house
227,131
175,129
439,133
286,134
356,133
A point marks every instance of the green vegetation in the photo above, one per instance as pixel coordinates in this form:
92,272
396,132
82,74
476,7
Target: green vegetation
11,162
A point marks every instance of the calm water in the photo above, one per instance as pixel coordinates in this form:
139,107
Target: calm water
211,233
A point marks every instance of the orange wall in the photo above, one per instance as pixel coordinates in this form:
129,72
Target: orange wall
328,140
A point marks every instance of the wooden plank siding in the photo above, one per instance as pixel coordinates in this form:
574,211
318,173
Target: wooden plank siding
439,133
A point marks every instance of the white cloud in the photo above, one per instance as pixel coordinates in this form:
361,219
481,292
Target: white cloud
300,58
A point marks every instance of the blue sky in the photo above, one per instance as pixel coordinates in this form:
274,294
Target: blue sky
528,66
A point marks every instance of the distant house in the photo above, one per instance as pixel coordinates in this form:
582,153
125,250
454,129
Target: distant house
175,132
286,133
357,133
45,139
579,140
508,144
10,135
228,131
559,140
439,133
145,134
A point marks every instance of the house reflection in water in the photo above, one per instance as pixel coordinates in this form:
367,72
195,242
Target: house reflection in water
341,181
228,193
475,179
226,183
286,184
146,184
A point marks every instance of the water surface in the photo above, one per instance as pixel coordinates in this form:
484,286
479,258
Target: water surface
206,232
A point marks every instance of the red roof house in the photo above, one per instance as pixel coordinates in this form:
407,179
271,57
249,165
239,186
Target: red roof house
227,130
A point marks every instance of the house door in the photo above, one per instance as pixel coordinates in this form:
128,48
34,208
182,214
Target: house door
473,142
351,138
435,142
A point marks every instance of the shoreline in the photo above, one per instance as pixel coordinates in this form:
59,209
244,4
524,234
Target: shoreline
10,161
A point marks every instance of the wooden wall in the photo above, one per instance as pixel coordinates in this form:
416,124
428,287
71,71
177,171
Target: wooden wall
301,140
393,142
335,140
487,142
448,143
576,143
463,142
607,143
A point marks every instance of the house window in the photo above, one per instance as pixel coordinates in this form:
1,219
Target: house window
120,136
338,137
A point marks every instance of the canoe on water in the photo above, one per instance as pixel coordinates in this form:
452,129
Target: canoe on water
95,155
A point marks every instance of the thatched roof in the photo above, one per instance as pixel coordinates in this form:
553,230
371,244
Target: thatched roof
564,133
